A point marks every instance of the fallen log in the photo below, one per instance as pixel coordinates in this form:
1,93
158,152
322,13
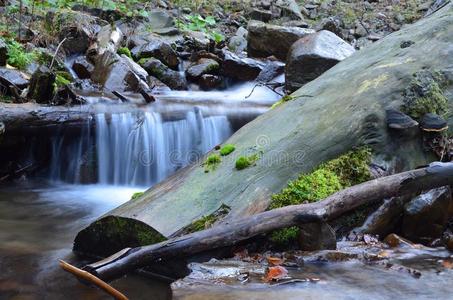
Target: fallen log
411,182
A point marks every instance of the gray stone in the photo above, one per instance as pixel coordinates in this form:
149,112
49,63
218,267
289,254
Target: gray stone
289,8
42,85
159,19
173,79
260,15
265,40
14,76
312,55
157,49
3,53
201,67
317,236
116,73
238,42
271,70
426,216
82,67
241,68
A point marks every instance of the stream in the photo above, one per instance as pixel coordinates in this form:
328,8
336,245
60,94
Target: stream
115,155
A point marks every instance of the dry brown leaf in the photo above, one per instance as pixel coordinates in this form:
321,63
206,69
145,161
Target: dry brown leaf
275,273
275,261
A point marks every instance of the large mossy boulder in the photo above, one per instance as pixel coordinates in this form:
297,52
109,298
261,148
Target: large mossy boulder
343,108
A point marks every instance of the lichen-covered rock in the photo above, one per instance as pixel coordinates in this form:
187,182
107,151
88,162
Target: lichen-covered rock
3,52
241,68
312,55
173,79
157,49
264,40
42,85
201,67
82,67
426,216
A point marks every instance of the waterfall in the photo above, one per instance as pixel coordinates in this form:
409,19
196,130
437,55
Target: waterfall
135,148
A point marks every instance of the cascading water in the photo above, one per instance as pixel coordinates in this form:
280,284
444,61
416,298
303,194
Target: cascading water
141,149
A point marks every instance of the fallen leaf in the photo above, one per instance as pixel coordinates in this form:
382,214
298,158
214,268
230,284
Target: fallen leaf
275,261
275,273
447,264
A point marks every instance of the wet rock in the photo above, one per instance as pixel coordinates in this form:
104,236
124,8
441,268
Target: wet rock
385,219
175,80
196,40
447,240
241,68
317,236
201,67
157,49
394,240
82,67
433,123
266,40
117,73
157,85
238,42
426,216
209,81
14,76
42,85
3,53
312,55
271,70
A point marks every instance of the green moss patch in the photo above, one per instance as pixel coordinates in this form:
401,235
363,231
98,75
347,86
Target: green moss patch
206,222
125,51
137,195
347,170
243,162
425,95
212,162
227,149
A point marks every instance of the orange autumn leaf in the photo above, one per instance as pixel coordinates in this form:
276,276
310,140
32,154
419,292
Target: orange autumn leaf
275,273
274,261
447,264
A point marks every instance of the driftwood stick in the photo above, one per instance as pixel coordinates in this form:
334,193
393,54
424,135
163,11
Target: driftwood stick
228,234
84,275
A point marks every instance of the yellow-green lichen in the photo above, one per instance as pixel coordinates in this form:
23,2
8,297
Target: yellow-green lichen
347,170
137,195
284,99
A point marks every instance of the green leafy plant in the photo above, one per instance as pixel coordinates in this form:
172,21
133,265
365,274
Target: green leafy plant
17,56
198,23
227,149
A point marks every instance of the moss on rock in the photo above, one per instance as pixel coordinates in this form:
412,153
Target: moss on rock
243,162
206,222
347,170
125,51
227,149
212,162
137,195
425,95
111,234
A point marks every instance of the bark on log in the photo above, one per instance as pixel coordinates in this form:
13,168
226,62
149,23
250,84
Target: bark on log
411,182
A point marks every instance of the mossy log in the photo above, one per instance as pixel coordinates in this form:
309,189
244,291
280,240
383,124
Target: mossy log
411,182
342,109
